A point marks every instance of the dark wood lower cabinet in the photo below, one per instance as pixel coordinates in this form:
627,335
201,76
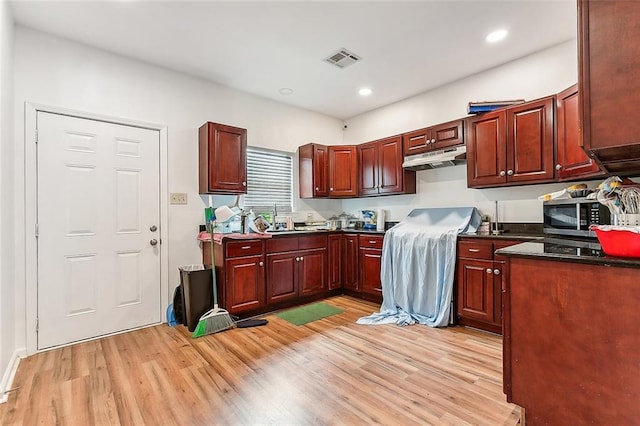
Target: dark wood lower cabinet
282,276
244,283
479,279
571,342
259,275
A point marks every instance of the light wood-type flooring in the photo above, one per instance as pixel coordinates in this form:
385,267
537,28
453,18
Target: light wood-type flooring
331,371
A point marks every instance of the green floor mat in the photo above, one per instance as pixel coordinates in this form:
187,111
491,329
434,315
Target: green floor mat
308,313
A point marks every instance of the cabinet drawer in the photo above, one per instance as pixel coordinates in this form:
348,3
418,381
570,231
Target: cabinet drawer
475,249
370,241
280,244
243,248
312,242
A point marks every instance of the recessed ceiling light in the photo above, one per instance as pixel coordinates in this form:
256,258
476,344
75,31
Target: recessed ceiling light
285,91
365,91
496,36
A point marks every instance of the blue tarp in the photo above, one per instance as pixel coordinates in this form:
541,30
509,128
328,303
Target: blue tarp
418,266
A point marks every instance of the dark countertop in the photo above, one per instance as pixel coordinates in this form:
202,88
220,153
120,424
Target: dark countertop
567,250
506,236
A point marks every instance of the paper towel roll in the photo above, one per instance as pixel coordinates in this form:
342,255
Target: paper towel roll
380,220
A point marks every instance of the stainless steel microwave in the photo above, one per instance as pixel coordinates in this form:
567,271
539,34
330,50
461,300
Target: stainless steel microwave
574,216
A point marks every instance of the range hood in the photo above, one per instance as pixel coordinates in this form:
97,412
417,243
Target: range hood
431,160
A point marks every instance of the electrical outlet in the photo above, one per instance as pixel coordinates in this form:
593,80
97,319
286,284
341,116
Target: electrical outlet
178,198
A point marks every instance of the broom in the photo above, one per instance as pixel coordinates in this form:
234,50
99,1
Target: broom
216,319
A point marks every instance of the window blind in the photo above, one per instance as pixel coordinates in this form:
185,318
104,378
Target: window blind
269,181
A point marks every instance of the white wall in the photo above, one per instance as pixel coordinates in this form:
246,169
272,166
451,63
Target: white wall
7,289
534,76
60,73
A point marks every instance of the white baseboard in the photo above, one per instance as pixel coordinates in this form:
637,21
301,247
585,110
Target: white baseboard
10,373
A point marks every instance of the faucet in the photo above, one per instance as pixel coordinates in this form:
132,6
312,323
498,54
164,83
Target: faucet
273,217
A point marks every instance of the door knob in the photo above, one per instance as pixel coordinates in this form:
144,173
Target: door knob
261,264
489,271
153,228
496,271
502,173
153,242
510,172
558,166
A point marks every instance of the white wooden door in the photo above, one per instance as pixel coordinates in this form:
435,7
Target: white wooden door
98,214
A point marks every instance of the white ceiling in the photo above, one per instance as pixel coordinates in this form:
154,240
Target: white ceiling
261,46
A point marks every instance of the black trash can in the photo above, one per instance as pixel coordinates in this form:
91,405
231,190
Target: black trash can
197,290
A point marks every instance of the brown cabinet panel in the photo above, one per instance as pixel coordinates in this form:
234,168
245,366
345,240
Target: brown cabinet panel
370,263
243,248
609,81
390,171
222,161
433,138
335,243
282,276
572,161
486,137
350,256
280,244
371,241
475,249
313,271
313,171
380,169
530,141
244,283
343,171
475,296
368,168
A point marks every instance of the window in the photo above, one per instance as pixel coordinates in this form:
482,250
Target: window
269,181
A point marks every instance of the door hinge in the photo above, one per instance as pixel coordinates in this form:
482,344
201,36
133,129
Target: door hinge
37,324
37,230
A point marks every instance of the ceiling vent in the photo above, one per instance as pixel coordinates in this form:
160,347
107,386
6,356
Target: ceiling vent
342,58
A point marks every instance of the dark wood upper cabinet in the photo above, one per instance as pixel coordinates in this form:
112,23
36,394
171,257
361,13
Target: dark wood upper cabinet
572,162
380,169
511,146
222,163
609,82
433,138
486,138
313,171
530,142
343,171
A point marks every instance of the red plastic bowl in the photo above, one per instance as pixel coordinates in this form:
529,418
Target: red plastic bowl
618,242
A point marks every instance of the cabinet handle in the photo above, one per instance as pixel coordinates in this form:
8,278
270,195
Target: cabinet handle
474,250
503,173
244,183
245,247
330,189
261,264
297,259
489,271
372,242
317,188
558,166
496,272
433,141
510,172
301,258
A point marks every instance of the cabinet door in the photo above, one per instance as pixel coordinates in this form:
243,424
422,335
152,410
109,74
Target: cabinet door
282,276
475,290
244,287
335,261
530,142
313,171
486,149
390,171
370,263
609,53
417,142
368,169
350,269
572,162
313,271
222,159
343,171
447,134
